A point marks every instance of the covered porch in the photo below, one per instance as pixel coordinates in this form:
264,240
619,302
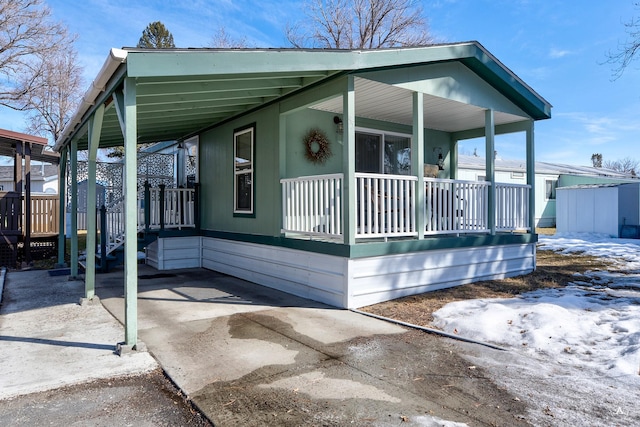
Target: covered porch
371,223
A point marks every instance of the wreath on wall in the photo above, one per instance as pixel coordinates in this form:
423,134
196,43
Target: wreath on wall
317,145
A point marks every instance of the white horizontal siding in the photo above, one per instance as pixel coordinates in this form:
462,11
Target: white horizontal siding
151,255
344,282
310,275
175,253
384,278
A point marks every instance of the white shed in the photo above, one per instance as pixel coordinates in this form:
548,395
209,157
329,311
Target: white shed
612,209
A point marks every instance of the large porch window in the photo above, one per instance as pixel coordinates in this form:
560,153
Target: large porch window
378,152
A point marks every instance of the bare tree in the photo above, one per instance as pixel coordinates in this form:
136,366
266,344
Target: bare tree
27,33
360,24
627,50
626,165
596,160
56,93
225,40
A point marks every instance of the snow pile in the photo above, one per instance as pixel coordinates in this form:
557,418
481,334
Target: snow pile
592,323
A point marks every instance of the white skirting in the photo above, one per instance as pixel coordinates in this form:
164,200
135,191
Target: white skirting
339,281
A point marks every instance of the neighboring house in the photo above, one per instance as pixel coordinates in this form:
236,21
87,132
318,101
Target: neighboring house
612,209
549,177
310,166
44,178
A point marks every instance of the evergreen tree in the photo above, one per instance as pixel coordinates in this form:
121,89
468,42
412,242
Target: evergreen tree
156,36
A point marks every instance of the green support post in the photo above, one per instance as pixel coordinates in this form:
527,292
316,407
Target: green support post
73,158
417,161
62,188
490,130
95,128
531,175
349,162
131,217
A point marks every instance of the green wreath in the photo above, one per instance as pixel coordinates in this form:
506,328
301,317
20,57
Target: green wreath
318,147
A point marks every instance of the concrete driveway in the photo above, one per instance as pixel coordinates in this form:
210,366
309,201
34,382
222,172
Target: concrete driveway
250,355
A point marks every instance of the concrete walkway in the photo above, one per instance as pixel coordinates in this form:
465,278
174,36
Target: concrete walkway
48,340
250,355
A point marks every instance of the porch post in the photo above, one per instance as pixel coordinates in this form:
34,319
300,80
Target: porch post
417,160
130,194
62,188
95,128
531,175
348,162
453,158
73,159
490,135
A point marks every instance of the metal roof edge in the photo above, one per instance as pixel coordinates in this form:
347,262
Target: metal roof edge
111,64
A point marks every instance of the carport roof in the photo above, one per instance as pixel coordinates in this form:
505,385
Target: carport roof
179,92
39,148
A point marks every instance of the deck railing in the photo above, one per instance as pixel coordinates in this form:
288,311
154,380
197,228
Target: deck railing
312,205
385,206
454,206
512,207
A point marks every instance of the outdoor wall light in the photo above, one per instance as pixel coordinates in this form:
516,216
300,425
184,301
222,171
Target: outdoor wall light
338,121
440,161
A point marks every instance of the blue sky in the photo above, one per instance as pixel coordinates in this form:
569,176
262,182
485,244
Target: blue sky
558,48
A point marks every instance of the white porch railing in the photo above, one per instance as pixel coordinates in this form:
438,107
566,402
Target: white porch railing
179,212
313,205
454,206
512,207
385,205
178,208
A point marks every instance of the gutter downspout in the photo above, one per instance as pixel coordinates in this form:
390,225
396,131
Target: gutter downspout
114,60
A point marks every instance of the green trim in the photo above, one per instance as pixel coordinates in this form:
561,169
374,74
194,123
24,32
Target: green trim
373,249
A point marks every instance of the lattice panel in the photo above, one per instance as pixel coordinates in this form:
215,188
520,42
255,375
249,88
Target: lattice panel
155,168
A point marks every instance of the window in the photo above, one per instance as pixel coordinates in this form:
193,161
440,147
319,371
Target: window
550,189
517,175
243,153
383,153
191,172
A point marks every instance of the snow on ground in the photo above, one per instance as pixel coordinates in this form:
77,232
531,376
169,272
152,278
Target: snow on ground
588,331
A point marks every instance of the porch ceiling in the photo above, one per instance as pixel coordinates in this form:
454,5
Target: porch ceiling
439,113
169,108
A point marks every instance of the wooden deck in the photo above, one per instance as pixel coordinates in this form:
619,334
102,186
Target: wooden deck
22,238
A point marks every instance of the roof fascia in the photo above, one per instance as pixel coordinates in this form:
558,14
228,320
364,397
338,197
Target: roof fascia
168,63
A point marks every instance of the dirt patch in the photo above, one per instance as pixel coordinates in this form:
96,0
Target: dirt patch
553,270
145,400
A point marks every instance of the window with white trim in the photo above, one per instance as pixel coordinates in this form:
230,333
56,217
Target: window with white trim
243,154
550,186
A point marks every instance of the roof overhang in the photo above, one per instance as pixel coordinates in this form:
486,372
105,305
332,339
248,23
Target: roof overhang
9,141
182,91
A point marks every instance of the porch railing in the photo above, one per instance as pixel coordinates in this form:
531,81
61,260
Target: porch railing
512,207
168,208
164,207
385,206
313,205
454,206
